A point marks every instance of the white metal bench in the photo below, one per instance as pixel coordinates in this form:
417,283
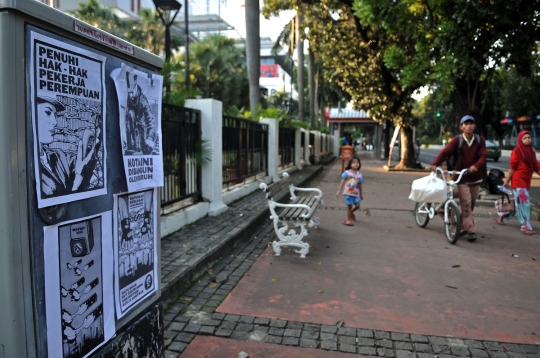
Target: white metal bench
290,223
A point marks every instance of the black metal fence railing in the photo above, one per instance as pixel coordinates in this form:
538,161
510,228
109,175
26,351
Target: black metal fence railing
245,153
286,147
181,128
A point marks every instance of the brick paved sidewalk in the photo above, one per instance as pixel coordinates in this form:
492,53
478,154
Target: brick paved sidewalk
189,252
193,315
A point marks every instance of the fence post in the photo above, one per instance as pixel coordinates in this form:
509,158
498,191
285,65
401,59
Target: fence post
317,146
211,128
336,140
298,148
273,146
306,148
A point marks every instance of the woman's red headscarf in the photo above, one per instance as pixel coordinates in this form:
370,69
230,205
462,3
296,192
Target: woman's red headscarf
525,152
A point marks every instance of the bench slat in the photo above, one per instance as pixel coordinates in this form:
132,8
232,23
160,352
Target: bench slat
288,212
294,213
310,201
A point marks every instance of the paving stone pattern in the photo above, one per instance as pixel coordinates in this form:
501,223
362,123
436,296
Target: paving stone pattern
193,313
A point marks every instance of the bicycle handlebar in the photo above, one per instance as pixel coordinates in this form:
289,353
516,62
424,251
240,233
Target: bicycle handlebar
460,174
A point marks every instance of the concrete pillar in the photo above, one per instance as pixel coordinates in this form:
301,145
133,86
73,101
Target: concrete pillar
212,174
335,135
273,146
317,145
298,148
306,147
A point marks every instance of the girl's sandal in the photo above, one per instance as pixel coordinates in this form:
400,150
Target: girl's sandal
347,223
529,232
498,221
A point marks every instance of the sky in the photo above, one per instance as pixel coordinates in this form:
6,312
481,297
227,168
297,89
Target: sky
234,14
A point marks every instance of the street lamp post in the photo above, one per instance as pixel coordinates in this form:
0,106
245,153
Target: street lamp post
164,9
186,27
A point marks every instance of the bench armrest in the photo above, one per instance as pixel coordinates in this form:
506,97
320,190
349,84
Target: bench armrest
293,188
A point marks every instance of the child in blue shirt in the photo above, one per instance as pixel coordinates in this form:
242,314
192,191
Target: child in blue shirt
352,180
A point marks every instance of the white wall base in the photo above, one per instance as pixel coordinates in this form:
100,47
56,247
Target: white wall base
176,220
240,192
216,208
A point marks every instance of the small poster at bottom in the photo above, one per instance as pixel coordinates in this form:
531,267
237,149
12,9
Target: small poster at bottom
78,285
135,229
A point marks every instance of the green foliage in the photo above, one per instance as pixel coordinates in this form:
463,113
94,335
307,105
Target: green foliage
102,17
146,32
234,111
203,153
217,71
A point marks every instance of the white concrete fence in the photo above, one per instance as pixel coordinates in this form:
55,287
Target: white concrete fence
215,198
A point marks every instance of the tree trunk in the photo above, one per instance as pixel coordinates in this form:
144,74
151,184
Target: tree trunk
407,149
253,53
312,89
300,69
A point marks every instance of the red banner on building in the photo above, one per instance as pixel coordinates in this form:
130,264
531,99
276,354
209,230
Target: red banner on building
269,71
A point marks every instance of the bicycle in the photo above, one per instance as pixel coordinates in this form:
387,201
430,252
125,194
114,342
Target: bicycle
423,212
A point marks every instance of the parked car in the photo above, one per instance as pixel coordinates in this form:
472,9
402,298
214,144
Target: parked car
493,150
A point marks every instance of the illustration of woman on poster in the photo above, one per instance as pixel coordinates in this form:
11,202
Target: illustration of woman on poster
64,172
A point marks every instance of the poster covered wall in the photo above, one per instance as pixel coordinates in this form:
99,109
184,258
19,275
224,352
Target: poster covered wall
139,100
67,96
135,255
78,286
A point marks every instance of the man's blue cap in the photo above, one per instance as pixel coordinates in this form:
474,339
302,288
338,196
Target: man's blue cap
465,119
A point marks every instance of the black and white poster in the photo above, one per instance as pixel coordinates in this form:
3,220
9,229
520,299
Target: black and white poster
135,240
139,99
78,286
67,95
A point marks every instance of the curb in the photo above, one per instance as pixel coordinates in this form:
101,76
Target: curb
187,274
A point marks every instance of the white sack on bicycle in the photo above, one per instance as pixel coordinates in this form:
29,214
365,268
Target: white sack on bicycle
430,189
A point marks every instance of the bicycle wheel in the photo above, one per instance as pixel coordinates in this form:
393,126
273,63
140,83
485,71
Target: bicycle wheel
421,214
453,226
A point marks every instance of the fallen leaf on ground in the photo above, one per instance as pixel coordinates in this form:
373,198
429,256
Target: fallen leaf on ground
456,266
534,259
476,287
455,288
320,291
212,285
327,246
339,324
187,299
275,279
514,255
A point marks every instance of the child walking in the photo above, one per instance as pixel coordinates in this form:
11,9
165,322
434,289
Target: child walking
352,180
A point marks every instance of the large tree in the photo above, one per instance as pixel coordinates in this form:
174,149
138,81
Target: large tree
469,41
360,56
